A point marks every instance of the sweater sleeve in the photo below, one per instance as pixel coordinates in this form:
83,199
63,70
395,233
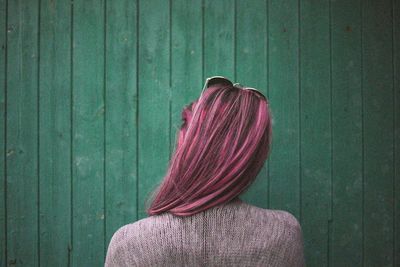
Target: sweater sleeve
295,252
115,253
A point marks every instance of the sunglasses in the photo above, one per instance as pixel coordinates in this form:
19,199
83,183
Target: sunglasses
224,81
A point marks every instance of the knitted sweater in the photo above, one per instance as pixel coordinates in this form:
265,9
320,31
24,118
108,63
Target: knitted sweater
231,234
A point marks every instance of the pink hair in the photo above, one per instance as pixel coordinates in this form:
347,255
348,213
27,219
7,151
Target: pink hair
222,145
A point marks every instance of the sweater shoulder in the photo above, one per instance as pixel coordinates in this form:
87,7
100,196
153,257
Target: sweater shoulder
123,242
290,222
288,219
131,229
280,223
288,237
278,216
292,226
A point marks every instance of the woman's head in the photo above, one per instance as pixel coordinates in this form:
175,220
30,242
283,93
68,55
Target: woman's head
222,145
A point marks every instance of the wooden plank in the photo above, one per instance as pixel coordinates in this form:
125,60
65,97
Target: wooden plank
396,98
219,38
284,96
186,60
378,132
251,70
3,203
88,133
22,133
120,114
315,133
154,97
55,133
346,241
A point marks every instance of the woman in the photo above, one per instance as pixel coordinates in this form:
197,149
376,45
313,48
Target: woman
196,215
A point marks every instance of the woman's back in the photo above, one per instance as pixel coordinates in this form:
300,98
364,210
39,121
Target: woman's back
232,234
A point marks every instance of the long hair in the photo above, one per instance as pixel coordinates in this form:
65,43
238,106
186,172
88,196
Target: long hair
221,147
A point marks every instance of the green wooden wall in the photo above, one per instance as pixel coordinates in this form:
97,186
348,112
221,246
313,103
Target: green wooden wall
91,94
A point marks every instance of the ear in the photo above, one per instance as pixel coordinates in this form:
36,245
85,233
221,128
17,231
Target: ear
187,114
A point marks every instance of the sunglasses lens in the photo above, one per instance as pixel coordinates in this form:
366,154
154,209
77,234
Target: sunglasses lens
257,91
225,82
218,80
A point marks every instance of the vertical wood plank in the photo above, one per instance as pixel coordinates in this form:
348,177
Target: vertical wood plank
378,132
154,97
55,133
284,96
88,133
3,54
315,124
219,38
186,59
251,70
120,115
346,242
22,133
396,99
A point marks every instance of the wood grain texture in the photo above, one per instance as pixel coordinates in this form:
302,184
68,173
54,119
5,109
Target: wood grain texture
219,39
120,115
3,116
284,97
22,133
186,60
154,94
88,133
346,232
54,133
396,145
315,129
377,80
